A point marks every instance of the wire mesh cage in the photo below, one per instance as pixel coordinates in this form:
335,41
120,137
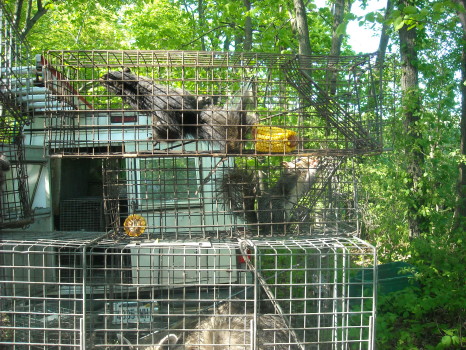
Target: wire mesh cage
149,102
15,206
16,82
180,197
17,75
91,293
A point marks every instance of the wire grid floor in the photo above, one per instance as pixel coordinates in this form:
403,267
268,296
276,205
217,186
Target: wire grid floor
90,293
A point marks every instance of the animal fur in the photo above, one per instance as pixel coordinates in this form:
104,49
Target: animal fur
229,328
239,189
270,209
4,166
173,110
177,114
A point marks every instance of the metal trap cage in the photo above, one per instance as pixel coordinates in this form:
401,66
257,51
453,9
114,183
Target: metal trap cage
16,81
150,102
16,74
188,197
91,293
15,205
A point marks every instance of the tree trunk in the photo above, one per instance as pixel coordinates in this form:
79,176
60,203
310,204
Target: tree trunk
338,15
201,24
302,28
460,210
337,40
247,45
411,112
29,21
384,37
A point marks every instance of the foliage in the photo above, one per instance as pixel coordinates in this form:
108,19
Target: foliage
165,24
157,25
431,316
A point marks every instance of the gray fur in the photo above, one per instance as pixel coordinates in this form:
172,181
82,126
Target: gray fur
229,328
173,110
4,166
177,114
274,206
240,190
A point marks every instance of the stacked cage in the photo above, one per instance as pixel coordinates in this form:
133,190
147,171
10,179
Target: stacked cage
91,293
205,144
224,187
16,83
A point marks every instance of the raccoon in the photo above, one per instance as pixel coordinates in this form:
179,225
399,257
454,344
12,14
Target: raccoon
274,206
177,114
4,166
229,328
173,110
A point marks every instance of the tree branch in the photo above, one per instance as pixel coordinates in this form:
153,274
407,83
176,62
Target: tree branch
29,24
384,38
19,7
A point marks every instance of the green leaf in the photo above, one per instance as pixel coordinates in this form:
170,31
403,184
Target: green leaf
398,23
370,17
455,340
410,10
446,341
438,7
341,29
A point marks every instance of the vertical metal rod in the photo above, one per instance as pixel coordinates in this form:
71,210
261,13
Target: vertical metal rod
83,323
256,298
252,331
344,298
372,329
82,333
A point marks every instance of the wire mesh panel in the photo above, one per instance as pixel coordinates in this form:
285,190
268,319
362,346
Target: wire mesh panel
41,293
177,197
243,294
16,81
113,102
15,206
17,74
82,214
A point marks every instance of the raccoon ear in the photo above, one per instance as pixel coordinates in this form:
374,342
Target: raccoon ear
167,341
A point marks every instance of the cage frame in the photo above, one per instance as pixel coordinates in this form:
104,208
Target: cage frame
67,72
334,299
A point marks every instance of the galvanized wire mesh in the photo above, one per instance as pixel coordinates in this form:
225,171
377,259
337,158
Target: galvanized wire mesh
16,82
90,293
